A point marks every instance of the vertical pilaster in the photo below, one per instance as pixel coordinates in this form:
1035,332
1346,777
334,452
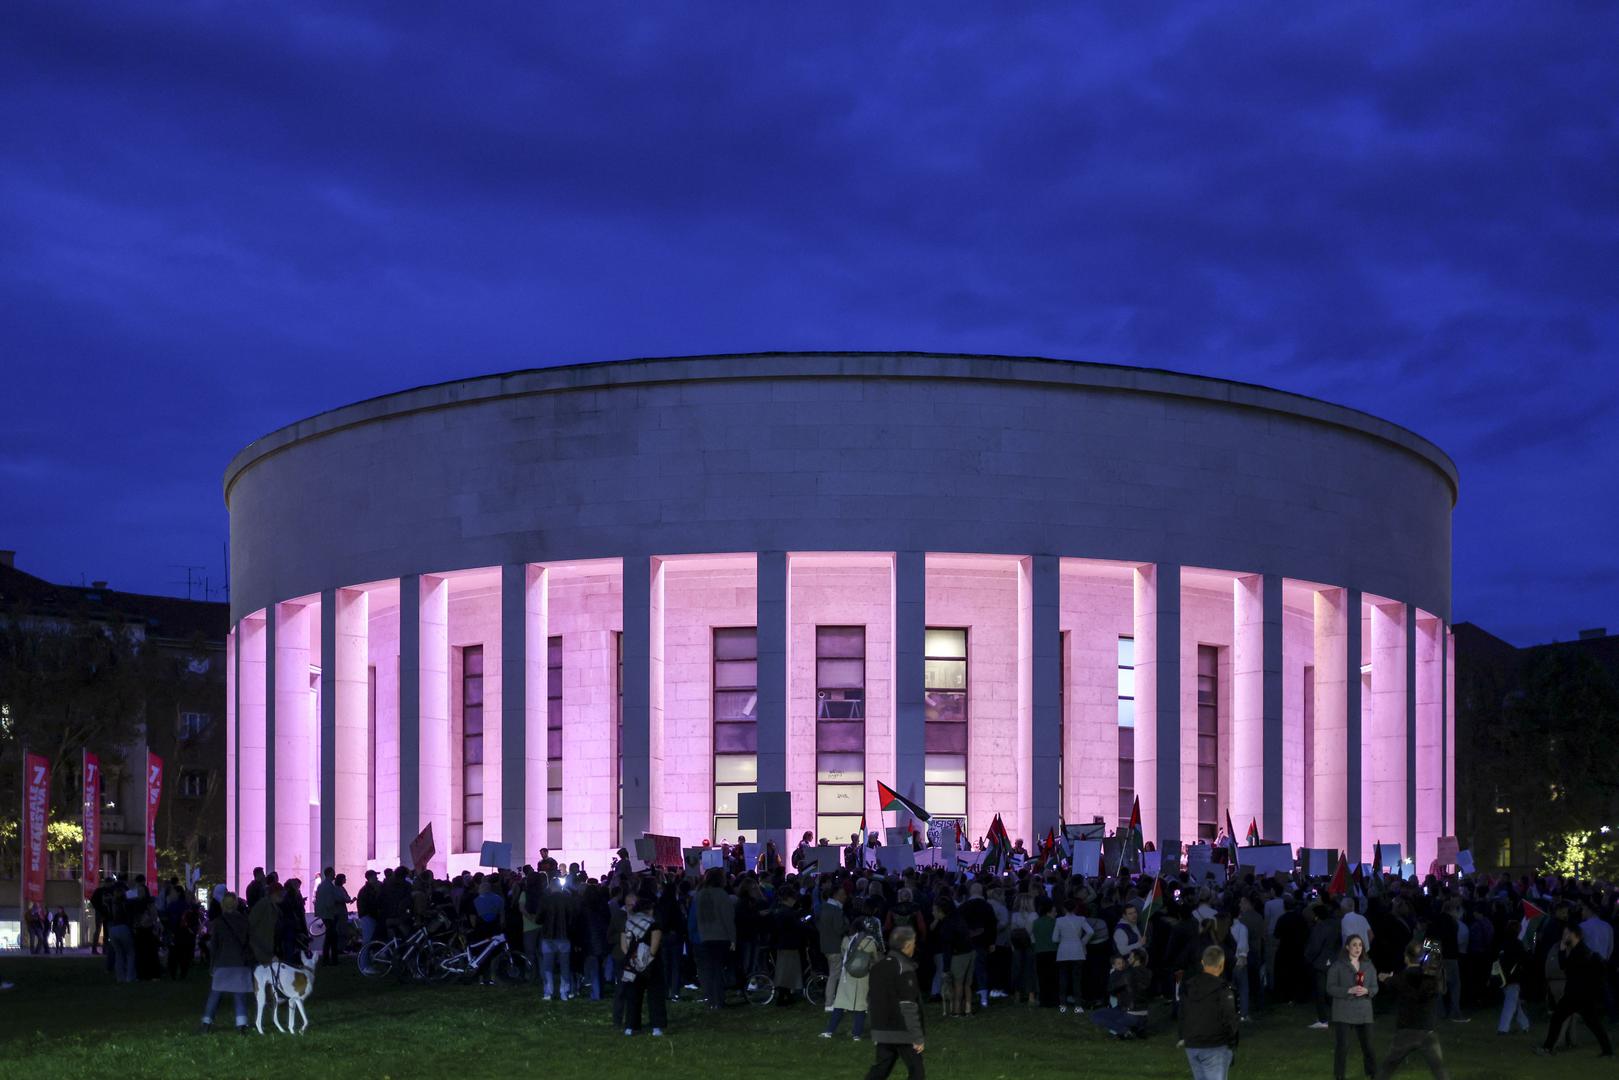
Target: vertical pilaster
252,758
1410,840
270,621
1353,756
910,641
1336,703
522,724
233,762
1158,694
1391,701
635,749
771,572
293,742
433,717
327,723
1039,686
410,714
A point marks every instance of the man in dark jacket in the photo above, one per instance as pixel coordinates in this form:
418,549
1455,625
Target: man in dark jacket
1320,950
262,921
894,1003
830,923
1583,994
1208,1020
1417,988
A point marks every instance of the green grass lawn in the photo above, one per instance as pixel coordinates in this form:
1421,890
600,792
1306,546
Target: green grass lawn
66,1019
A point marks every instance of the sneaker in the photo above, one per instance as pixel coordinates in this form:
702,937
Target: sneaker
1319,1025
826,1034
858,1038
1062,1008
997,993
1461,1019
828,1008
1079,1010
657,1033
629,1031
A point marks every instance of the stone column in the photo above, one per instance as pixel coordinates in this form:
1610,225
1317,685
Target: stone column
410,727
1391,699
345,781
635,750
293,742
1039,754
771,615
1256,704
910,641
253,793
438,757
1158,694
1337,738
522,708
233,762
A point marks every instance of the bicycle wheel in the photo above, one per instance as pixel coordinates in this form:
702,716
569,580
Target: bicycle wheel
436,962
511,967
761,990
377,959
815,989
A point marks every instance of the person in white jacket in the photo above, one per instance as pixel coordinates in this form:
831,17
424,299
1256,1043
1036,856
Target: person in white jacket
1073,930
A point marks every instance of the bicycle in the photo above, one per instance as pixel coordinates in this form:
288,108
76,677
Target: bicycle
760,989
463,960
409,955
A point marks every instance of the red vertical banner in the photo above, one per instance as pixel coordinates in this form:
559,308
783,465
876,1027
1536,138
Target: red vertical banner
154,793
36,811
92,823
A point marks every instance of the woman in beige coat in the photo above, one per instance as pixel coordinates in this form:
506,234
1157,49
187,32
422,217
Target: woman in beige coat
865,938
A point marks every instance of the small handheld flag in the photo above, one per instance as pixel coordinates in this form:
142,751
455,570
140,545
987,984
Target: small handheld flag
1253,831
1339,885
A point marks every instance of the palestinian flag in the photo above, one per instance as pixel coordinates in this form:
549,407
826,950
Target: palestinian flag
1155,901
862,826
958,834
998,848
1132,835
1230,836
1339,885
1378,886
1253,832
1048,847
890,800
1529,929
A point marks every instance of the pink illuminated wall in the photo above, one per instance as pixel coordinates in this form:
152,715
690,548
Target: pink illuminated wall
295,731
838,590
353,759
1206,619
585,605
382,650
981,594
1298,657
1247,723
699,594
1147,604
1096,611
1331,737
474,621
1447,808
252,763
1385,762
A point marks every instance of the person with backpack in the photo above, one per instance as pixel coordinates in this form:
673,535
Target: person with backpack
642,978
862,947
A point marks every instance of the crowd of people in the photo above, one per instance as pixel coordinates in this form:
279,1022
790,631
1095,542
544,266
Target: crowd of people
42,926
1135,956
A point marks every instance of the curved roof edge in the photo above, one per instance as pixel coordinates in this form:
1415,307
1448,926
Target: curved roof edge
889,365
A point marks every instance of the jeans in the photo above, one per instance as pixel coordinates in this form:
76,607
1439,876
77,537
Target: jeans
1209,1063
837,1017
368,930
647,987
122,939
1067,981
1116,1021
1512,1010
556,951
592,974
1453,989
715,957
212,1007
1239,979
981,973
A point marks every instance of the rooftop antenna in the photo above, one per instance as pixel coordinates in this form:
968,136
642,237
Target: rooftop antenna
193,578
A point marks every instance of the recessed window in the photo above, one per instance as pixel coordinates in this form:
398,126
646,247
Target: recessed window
194,724
472,748
840,729
553,743
944,726
1127,726
193,784
736,728
1208,741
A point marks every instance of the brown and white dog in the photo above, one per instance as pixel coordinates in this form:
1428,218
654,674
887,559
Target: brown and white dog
280,982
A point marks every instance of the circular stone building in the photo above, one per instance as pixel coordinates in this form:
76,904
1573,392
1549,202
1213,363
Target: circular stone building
564,607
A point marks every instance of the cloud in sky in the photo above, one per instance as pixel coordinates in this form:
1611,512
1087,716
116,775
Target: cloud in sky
215,220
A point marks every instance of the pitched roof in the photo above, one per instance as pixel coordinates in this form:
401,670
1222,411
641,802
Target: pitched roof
170,618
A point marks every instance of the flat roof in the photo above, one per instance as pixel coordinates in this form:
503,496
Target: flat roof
829,365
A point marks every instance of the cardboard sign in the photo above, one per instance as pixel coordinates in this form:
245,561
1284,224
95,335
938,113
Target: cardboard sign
1152,862
1388,855
1447,851
666,852
896,858
710,859
1265,859
496,854
1200,864
1464,862
1087,857
764,810
1319,862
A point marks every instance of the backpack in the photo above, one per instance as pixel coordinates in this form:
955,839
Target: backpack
857,959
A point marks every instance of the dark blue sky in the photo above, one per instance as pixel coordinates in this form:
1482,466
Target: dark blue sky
218,219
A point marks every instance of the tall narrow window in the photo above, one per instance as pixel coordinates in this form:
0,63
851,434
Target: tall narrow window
944,686
840,729
371,756
1208,742
736,728
1127,727
618,730
553,742
472,748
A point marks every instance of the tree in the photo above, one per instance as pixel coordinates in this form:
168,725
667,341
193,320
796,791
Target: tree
67,686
